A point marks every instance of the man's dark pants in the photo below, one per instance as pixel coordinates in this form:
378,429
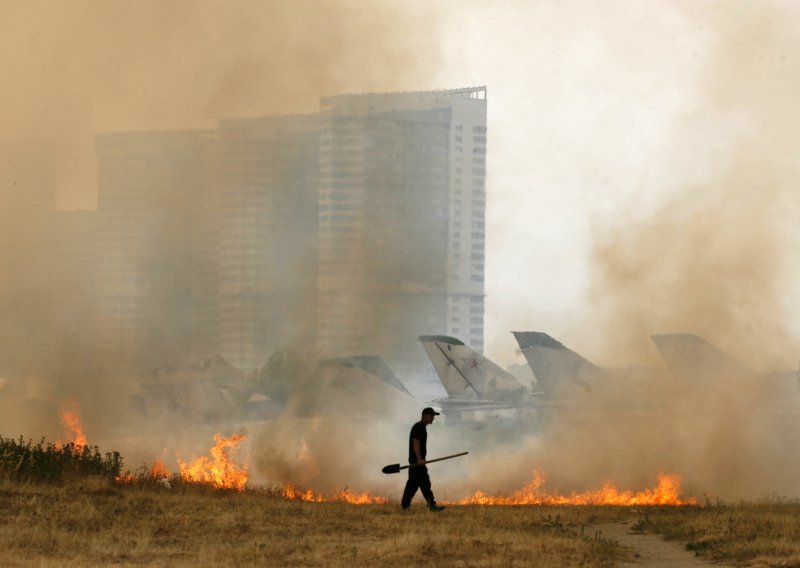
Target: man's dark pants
417,479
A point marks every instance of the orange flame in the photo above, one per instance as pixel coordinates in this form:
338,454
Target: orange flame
221,471
71,420
158,471
345,496
667,492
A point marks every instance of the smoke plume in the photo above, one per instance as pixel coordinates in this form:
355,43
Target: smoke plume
91,67
716,258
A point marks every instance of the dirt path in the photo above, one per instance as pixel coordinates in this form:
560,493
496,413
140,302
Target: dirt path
651,550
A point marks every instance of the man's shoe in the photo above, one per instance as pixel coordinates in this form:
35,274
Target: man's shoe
436,508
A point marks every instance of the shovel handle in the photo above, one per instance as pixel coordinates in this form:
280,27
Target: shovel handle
440,459
396,467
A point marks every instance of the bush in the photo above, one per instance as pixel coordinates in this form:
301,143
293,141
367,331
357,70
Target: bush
23,461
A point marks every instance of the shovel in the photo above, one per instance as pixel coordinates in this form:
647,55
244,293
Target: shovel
396,467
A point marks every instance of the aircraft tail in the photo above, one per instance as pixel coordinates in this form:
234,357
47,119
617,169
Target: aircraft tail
694,358
467,374
374,365
554,365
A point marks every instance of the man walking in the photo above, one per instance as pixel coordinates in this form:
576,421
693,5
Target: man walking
418,474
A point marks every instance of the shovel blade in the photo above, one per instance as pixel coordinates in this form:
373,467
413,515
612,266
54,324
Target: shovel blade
394,468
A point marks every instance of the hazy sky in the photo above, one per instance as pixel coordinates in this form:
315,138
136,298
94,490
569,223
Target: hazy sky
625,137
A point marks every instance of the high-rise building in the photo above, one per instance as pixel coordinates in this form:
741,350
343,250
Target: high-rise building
27,194
355,230
71,261
148,186
268,236
401,222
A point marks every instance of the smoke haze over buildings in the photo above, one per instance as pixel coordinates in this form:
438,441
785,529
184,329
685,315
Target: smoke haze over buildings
642,180
87,67
91,67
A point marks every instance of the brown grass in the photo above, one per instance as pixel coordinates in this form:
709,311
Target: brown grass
94,523
747,534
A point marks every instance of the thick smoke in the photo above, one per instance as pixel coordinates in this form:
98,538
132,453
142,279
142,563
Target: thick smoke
333,427
87,67
91,67
716,259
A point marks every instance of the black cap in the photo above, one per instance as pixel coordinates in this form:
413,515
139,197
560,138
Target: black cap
429,410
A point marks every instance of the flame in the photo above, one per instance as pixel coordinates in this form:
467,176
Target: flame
666,492
345,496
221,471
125,478
158,471
71,420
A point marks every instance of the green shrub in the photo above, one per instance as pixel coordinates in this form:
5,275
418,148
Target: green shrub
23,461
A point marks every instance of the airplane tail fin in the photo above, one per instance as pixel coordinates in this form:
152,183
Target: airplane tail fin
467,374
694,358
554,365
374,365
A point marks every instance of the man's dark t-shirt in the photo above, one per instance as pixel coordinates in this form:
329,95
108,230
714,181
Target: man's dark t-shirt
419,432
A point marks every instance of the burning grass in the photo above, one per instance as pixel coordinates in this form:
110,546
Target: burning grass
221,470
99,523
92,520
666,492
69,504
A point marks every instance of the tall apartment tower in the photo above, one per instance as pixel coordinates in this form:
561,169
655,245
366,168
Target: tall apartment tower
27,202
268,236
148,186
401,222
71,275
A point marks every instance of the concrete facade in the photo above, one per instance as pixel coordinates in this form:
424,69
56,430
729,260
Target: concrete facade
268,236
148,185
350,231
402,205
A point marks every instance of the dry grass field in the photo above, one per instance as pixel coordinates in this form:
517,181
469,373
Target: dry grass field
93,522
744,534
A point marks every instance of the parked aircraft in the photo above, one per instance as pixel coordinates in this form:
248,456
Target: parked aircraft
566,376
559,370
693,358
473,382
